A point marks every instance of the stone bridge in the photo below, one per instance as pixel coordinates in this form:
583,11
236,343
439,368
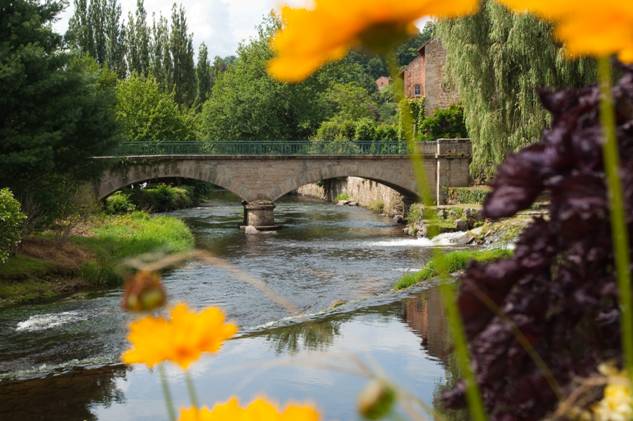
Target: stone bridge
260,179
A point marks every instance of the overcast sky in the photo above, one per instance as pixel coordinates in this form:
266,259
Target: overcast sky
221,24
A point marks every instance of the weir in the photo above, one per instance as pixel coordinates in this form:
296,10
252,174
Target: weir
262,172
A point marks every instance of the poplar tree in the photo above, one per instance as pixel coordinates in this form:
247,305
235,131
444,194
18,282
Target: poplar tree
79,34
96,18
498,62
115,38
137,41
160,57
181,48
203,74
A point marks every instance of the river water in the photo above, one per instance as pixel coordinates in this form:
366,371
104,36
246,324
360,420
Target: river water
60,360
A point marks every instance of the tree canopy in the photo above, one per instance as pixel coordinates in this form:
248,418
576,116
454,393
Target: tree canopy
55,110
499,61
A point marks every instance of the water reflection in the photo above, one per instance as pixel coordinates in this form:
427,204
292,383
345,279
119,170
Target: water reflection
62,398
312,336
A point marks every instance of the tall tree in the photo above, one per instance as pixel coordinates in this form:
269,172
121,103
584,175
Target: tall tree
203,74
181,49
79,34
137,41
499,61
160,57
115,38
55,110
96,17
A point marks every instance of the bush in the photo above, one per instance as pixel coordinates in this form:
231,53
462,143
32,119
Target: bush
163,197
463,195
119,203
341,197
386,132
446,123
365,129
11,223
559,287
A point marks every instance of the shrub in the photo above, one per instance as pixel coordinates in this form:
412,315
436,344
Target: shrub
365,129
163,197
559,287
464,195
444,123
342,197
119,203
11,223
386,132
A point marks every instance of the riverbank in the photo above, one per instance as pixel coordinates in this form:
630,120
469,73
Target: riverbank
48,266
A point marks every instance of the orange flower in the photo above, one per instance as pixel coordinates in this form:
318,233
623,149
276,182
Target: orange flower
180,339
589,27
259,410
309,38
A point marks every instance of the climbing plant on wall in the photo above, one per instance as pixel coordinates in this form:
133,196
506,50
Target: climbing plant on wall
499,61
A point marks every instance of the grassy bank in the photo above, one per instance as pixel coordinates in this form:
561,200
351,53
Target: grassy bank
456,261
47,267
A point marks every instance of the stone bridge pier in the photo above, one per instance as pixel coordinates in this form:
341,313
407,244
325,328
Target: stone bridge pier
260,180
259,214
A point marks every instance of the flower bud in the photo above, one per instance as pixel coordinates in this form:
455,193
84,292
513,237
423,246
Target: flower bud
376,400
143,292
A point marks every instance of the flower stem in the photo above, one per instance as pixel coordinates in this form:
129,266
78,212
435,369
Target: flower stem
192,390
619,229
166,393
447,291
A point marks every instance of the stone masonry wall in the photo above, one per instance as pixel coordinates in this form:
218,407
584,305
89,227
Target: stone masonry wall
439,93
360,190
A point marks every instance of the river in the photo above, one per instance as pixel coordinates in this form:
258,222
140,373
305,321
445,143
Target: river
60,360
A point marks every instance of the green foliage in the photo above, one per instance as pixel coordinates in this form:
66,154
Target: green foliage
365,129
445,123
119,237
55,111
203,75
146,113
499,61
119,203
163,197
465,195
361,130
341,197
454,261
137,41
350,101
377,206
409,50
11,224
181,49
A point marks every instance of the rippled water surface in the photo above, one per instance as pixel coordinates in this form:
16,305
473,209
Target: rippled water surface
64,355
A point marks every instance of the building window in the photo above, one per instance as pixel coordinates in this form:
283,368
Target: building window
416,90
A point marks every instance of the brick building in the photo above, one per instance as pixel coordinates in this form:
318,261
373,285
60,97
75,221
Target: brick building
424,77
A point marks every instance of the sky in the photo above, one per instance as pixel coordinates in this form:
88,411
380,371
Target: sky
221,24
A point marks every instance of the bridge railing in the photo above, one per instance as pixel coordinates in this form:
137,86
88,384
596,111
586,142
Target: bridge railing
342,148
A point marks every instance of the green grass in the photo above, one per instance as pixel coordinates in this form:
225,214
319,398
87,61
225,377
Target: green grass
119,237
24,267
456,260
342,197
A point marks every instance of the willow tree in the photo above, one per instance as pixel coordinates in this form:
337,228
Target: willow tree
499,61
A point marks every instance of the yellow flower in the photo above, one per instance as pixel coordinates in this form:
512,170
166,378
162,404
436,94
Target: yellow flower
589,27
259,410
181,339
616,405
311,37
